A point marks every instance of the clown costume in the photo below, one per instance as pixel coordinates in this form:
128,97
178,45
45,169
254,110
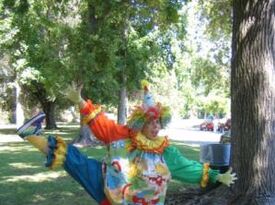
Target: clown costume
139,164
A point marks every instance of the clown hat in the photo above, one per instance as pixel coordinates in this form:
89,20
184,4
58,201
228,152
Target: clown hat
148,99
149,110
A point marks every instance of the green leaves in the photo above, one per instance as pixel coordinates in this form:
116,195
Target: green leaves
219,15
111,44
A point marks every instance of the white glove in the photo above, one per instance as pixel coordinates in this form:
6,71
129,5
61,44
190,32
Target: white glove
73,93
227,178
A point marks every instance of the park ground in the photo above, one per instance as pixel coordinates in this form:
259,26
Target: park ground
24,180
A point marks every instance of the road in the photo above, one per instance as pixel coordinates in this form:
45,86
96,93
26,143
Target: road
187,131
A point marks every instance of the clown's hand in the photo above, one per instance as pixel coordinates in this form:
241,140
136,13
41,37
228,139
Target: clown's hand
73,93
227,178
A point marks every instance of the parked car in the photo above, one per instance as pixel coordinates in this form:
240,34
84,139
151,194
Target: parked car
207,126
224,127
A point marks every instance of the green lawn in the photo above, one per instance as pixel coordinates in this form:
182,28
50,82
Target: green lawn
24,179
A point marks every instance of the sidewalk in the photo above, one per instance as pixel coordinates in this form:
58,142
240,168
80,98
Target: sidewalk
187,132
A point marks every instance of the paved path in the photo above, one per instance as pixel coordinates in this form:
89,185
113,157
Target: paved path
192,137
187,131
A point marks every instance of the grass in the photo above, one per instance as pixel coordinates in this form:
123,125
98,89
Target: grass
24,180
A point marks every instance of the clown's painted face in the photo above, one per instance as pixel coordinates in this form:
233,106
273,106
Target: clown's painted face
151,129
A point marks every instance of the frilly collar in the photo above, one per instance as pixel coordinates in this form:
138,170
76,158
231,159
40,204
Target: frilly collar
141,142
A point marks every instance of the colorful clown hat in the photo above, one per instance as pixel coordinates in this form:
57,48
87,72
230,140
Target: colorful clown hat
149,110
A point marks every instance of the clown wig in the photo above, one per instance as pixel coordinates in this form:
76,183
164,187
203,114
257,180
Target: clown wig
148,111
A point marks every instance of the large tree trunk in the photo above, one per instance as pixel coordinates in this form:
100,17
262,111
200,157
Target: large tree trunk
253,101
253,108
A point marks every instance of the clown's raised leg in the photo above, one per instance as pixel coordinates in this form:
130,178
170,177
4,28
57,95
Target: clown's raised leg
87,172
31,130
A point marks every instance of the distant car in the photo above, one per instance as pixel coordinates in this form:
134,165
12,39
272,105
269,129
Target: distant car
207,126
224,127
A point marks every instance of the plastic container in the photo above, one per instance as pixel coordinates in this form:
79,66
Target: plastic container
215,154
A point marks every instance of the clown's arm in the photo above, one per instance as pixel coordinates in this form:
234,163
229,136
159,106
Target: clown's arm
190,171
103,128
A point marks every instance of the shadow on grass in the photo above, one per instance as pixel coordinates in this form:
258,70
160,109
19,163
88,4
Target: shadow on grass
62,191
7,131
188,151
24,180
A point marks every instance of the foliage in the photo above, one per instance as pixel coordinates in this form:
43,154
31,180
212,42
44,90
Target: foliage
6,89
213,104
89,41
219,18
107,45
138,42
34,42
202,65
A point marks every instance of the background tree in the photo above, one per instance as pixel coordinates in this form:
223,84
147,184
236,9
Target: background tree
32,35
110,46
134,26
107,45
7,90
202,62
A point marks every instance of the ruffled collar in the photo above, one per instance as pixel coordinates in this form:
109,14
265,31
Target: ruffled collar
141,142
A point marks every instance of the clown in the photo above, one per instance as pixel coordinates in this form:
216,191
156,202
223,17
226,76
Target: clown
140,163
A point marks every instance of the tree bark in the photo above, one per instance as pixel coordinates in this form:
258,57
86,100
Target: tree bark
252,107
49,109
253,101
122,107
19,108
37,91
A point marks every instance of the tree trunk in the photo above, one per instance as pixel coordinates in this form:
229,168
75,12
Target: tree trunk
49,109
19,108
122,107
253,107
253,101
38,91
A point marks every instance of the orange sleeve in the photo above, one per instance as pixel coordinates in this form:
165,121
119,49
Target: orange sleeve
103,128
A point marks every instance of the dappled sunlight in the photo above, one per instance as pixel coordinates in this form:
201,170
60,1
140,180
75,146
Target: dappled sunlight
38,198
40,177
262,161
56,132
98,147
14,149
68,125
61,132
186,144
66,193
177,142
20,165
10,138
8,130
194,147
